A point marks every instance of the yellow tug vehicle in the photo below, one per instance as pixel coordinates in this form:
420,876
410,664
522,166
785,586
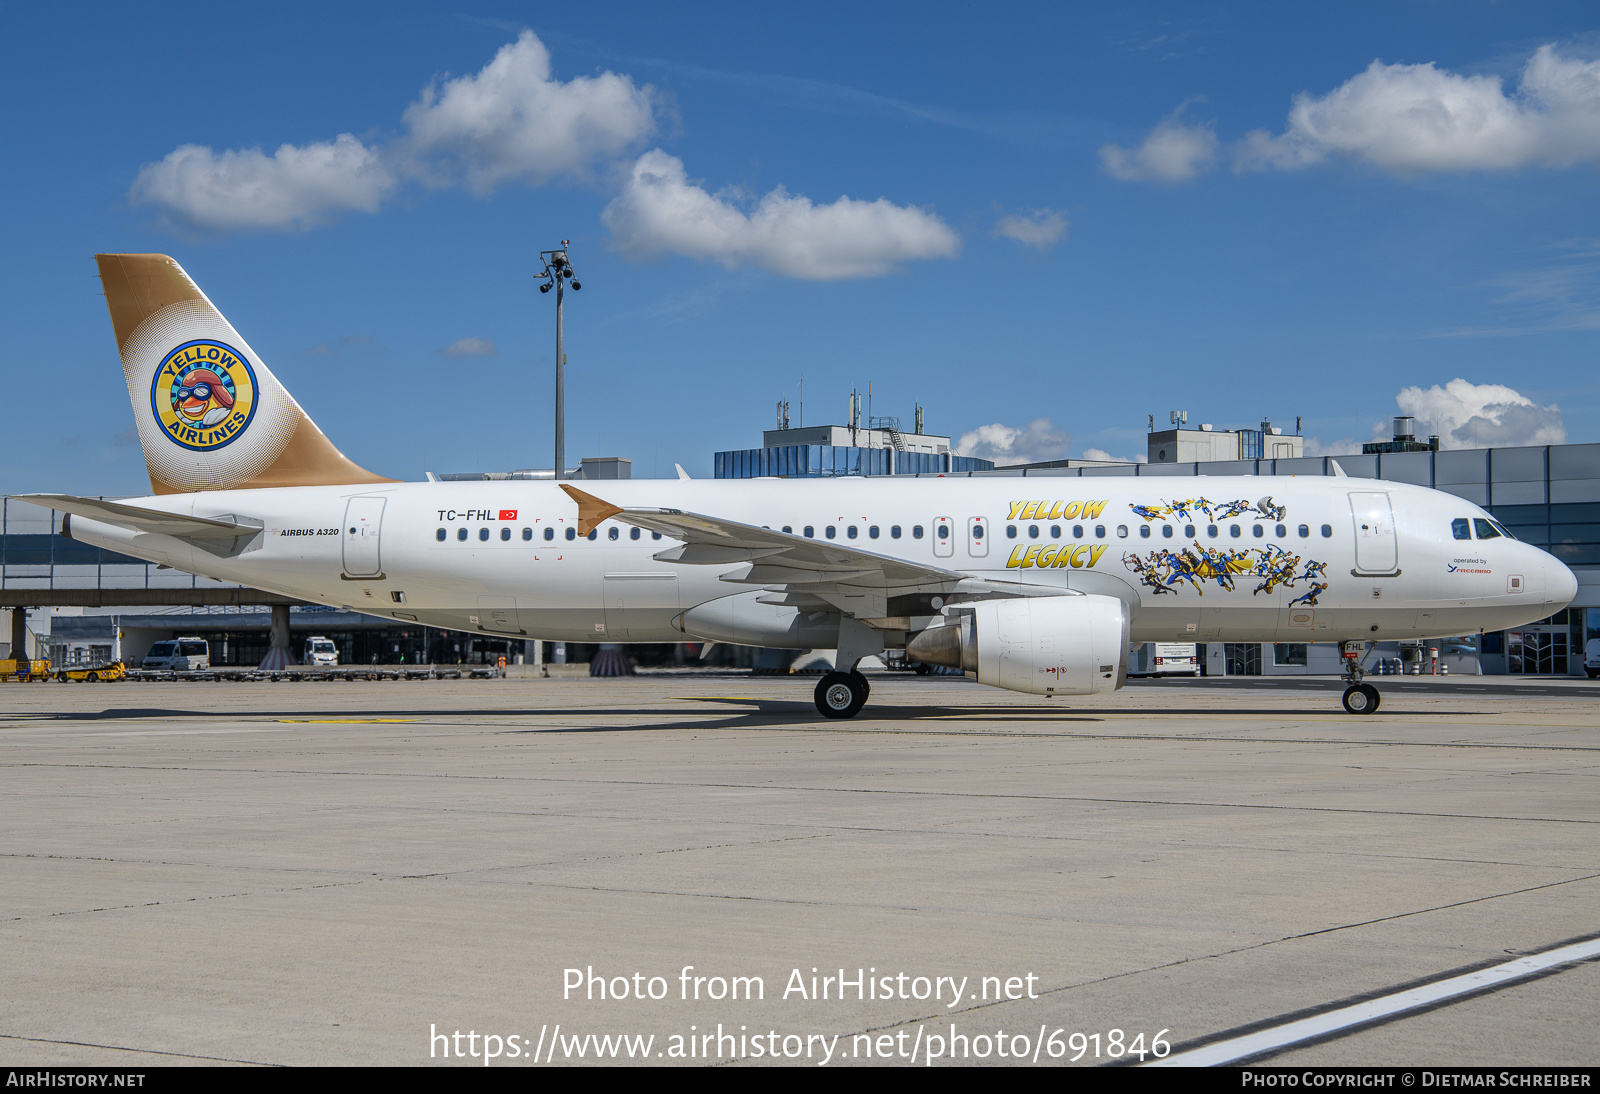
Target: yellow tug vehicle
116,670
23,671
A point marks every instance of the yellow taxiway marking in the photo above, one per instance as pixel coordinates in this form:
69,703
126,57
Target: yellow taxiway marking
342,721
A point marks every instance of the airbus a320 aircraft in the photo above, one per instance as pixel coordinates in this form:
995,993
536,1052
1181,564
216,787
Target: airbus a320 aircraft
1037,585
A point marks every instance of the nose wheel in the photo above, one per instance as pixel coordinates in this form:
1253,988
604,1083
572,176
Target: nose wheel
1361,699
842,694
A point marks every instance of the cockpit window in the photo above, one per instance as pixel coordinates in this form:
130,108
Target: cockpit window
1461,528
1485,528
1502,529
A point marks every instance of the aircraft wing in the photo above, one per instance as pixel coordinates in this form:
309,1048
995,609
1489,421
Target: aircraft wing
140,519
784,559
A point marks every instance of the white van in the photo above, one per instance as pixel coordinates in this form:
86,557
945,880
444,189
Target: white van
1591,657
320,651
190,654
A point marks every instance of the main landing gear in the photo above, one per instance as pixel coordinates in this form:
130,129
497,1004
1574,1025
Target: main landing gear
842,694
1359,698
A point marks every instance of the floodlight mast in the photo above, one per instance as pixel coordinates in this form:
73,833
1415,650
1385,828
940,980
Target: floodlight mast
557,268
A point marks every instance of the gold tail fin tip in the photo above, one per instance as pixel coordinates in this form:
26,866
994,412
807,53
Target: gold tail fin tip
210,413
591,510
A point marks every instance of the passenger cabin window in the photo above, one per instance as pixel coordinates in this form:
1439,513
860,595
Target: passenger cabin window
1099,531
916,531
483,534
655,535
1461,528
1258,531
594,533
788,529
505,535
1485,529
944,531
1211,530
1033,531
830,531
461,534
1011,531
977,531
1188,531
572,533
1233,530
1077,531
1283,530
810,532
850,532
1144,531
894,531
527,534
549,533
633,533
1166,531
872,532
1122,531
1055,531
440,535
1327,531
1305,531
615,533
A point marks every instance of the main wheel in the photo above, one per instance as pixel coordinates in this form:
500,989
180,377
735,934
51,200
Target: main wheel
1361,699
842,694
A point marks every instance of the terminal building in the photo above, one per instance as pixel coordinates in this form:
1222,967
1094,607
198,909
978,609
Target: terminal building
881,447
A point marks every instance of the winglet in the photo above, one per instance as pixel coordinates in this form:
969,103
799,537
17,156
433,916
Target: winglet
683,475
591,510
1336,470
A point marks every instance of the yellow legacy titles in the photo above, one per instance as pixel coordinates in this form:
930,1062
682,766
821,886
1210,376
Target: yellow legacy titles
1045,555
1055,510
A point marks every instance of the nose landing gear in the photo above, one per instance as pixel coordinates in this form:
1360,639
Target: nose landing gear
1359,698
842,694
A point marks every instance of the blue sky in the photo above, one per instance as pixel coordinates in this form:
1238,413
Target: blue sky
1055,220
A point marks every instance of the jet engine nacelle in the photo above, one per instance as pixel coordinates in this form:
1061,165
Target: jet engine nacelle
1056,645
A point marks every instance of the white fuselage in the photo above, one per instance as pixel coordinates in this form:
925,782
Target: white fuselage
1317,559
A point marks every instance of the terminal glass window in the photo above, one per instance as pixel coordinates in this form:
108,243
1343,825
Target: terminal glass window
1461,528
1288,653
440,535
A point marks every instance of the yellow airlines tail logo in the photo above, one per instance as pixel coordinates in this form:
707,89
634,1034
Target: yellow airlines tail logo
203,395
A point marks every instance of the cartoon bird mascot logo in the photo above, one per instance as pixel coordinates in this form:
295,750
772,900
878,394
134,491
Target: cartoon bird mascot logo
204,395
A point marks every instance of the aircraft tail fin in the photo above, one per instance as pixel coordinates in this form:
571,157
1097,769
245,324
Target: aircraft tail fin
210,414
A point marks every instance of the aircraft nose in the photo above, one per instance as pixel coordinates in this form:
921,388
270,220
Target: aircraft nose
1560,584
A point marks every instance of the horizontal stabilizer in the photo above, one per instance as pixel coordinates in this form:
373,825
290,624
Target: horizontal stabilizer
139,519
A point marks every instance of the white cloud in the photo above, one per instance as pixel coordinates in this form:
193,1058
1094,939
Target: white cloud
1344,446
661,211
1467,415
1173,152
513,122
296,187
1042,228
1103,456
1414,118
1004,444
471,347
